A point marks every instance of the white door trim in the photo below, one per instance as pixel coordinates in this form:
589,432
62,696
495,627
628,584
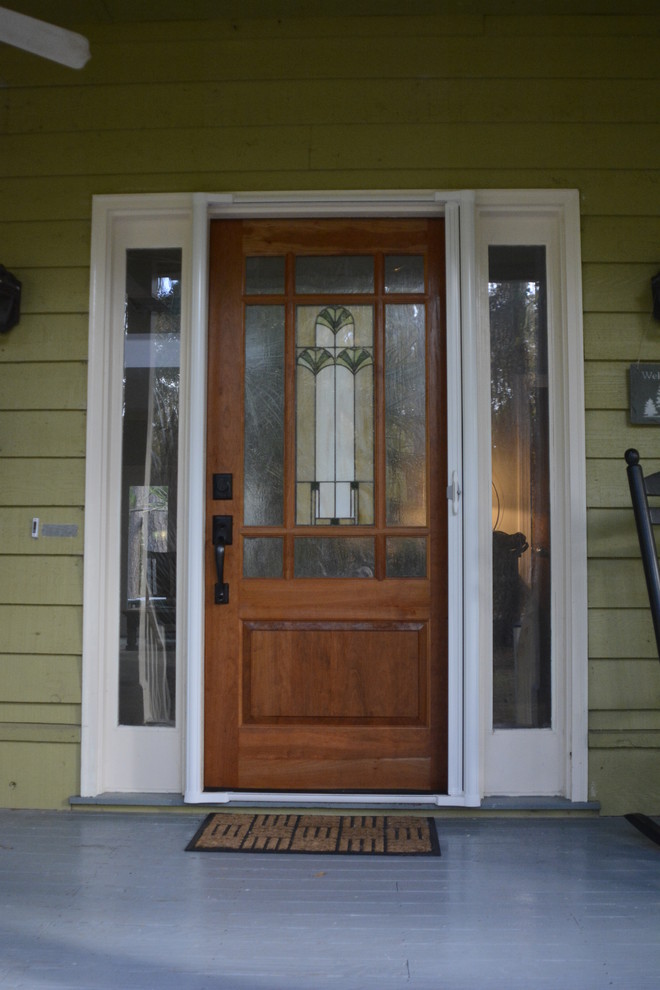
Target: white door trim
457,207
469,577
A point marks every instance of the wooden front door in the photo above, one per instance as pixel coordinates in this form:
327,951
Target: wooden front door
326,602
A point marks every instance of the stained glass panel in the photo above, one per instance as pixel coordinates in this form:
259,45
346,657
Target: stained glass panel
334,415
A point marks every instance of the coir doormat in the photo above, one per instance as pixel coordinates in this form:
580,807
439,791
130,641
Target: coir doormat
388,835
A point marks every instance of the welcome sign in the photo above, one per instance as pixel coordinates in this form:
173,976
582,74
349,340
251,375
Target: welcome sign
645,394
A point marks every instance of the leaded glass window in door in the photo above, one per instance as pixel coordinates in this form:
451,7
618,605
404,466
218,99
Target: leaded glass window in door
334,415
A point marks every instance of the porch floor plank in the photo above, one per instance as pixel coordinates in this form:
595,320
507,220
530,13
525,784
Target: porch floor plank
102,901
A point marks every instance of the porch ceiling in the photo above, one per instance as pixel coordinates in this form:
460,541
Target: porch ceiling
72,12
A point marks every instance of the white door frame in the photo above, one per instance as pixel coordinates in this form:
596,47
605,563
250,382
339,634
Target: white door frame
468,480
463,715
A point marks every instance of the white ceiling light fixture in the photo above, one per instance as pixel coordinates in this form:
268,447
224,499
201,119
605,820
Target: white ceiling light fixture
41,38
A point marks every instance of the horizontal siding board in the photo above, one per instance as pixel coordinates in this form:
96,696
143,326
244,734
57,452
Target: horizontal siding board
624,780
485,145
607,483
630,192
252,19
43,433
46,244
44,385
54,290
341,100
41,580
620,288
609,433
601,191
39,733
40,679
16,529
622,633
630,739
51,337
256,148
606,385
38,773
621,337
332,146
617,584
611,534
620,239
57,715
616,685
624,720
212,58
55,482
41,629
545,26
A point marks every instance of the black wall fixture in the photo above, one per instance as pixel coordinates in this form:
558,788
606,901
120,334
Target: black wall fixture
655,289
10,300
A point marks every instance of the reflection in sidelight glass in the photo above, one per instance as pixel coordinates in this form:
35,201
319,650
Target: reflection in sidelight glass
152,330
405,415
522,693
263,480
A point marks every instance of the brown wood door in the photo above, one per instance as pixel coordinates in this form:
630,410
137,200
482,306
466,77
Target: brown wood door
326,663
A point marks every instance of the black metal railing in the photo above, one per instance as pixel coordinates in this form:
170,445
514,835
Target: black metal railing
646,517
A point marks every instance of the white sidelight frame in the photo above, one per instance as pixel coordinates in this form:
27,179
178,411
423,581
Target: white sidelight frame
468,477
122,758
553,761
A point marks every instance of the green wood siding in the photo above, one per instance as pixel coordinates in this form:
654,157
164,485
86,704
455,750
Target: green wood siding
464,101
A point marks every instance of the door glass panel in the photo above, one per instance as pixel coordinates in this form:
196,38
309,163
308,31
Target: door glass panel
334,273
263,478
334,415
264,276
152,330
406,557
404,273
405,415
522,695
262,557
352,557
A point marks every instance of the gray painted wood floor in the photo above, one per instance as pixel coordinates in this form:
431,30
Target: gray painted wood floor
112,902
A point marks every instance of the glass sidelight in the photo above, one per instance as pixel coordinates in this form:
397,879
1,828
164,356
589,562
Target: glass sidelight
147,645
522,648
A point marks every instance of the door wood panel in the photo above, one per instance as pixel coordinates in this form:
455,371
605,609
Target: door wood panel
324,683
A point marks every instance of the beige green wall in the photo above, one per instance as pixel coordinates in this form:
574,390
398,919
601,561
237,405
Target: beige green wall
381,102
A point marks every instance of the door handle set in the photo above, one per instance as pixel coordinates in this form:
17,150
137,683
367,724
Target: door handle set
222,538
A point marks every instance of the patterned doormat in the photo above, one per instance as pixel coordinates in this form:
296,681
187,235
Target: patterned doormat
387,835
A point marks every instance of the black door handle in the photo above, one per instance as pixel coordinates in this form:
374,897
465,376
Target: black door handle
222,538
221,589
